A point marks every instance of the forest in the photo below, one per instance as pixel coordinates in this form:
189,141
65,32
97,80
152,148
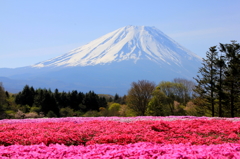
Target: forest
215,92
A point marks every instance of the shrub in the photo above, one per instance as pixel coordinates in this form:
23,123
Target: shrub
51,114
114,109
91,113
35,109
31,115
66,112
19,115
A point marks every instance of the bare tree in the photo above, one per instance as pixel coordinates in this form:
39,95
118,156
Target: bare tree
139,95
189,87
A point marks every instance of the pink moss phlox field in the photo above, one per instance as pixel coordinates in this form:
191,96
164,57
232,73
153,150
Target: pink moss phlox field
121,137
121,119
140,150
194,132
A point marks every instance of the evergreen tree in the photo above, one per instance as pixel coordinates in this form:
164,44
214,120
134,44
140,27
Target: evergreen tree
220,67
206,82
63,101
2,100
7,94
57,97
26,96
232,73
73,100
2,94
116,98
102,102
46,101
49,103
91,101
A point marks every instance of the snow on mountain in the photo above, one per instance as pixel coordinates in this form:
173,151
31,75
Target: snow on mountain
109,64
132,43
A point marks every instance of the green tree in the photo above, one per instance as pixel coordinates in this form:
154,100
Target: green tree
139,96
232,73
91,101
66,112
73,100
46,101
51,114
26,96
2,94
113,109
156,106
7,94
206,82
173,92
102,102
2,100
220,77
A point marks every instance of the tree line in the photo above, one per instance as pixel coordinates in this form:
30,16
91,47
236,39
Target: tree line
53,104
215,92
167,98
218,85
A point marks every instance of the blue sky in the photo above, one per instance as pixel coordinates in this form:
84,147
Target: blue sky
35,30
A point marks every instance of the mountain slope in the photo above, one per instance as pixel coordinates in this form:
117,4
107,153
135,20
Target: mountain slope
127,43
110,63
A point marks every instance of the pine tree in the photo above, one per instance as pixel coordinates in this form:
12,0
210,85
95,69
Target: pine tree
206,82
220,67
26,96
116,98
232,73
91,101
2,94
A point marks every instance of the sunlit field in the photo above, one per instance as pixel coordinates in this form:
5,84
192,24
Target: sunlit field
120,137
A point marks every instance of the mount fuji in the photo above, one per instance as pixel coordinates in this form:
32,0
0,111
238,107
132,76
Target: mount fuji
109,64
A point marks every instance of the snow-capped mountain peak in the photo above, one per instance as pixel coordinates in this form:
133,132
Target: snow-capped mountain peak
111,63
131,43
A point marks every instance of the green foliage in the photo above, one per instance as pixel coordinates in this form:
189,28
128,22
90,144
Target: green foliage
102,102
66,112
139,96
35,109
232,75
9,114
219,82
24,108
91,113
91,101
113,109
26,96
156,106
2,94
191,109
173,92
206,82
125,111
51,114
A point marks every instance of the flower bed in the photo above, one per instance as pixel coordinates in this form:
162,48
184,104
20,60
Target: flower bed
142,150
102,137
